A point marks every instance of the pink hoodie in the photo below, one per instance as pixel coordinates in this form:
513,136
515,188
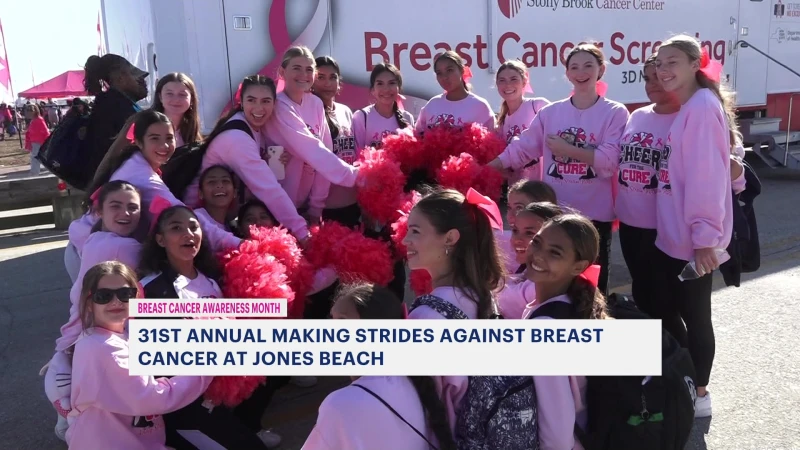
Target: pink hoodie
350,418
451,388
694,205
369,127
101,246
344,146
578,185
641,150
112,409
560,402
441,111
516,295
243,155
514,125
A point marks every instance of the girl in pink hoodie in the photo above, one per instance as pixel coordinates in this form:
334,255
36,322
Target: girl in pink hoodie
516,112
457,106
176,96
451,238
577,140
110,408
300,126
557,258
119,208
388,413
694,207
386,116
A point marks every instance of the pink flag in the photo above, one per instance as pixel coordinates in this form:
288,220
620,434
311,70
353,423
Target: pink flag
6,93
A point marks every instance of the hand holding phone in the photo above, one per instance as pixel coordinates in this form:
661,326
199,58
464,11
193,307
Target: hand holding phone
274,153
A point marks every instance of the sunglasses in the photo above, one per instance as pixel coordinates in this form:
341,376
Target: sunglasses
104,296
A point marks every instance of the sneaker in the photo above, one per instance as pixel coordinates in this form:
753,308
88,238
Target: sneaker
304,382
61,428
269,438
702,406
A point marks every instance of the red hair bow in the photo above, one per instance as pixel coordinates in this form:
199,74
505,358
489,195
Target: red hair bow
710,68
467,75
131,136
95,198
487,206
157,206
591,274
237,99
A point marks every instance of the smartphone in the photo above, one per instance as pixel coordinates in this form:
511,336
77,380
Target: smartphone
275,152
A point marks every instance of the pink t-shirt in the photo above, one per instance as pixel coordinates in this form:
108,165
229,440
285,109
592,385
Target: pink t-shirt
351,418
369,127
577,184
441,111
112,409
513,126
694,205
641,150
344,146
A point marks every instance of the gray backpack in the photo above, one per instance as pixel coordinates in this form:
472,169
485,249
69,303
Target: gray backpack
497,412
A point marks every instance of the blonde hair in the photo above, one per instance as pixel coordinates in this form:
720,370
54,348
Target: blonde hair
513,64
92,279
294,52
691,47
450,55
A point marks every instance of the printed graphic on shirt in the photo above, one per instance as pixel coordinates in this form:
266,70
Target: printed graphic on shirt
445,120
568,169
317,132
144,421
639,161
377,138
515,131
344,146
663,171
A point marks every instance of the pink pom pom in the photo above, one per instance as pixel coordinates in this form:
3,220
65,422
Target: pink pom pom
421,282
489,182
279,243
354,256
458,172
380,184
484,145
233,390
400,226
406,150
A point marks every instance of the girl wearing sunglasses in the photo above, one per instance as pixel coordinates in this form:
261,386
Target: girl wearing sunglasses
113,409
119,208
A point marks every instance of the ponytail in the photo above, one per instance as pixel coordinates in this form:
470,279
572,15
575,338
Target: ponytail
501,117
587,300
435,413
402,123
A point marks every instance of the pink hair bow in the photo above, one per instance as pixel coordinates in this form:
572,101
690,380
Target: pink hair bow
237,99
487,206
280,85
467,75
528,89
95,198
131,136
710,68
591,274
400,98
157,206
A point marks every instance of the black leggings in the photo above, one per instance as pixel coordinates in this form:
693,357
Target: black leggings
219,424
684,308
604,256
638,249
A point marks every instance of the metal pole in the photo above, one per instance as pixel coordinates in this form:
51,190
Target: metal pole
788,131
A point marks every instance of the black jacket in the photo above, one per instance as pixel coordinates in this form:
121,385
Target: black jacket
110,112
744,249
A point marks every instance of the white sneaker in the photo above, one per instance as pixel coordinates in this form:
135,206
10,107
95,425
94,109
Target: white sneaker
269,438
304,382
61,428
702,406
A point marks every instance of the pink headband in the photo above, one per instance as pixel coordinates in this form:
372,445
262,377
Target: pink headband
487,206
710,68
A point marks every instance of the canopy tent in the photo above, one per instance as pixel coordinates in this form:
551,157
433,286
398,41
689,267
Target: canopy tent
68,84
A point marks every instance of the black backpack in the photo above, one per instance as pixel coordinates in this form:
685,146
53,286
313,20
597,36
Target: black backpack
744,248
185,164
634,413
497,412
66,152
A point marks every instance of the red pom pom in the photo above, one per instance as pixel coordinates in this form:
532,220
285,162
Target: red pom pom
354,256
489,182
458,172
233,390
421,282
279,243
380,184
400,226
406,150
483,144
440,143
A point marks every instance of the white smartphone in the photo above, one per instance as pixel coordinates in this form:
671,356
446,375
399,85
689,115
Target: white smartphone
275,152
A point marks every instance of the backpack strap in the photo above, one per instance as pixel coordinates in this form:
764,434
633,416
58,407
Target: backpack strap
394,411
556,310
445,308
237,124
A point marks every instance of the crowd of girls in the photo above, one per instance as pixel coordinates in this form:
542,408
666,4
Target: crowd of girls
570,166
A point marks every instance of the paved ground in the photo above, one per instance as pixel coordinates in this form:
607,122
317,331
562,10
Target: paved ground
755,383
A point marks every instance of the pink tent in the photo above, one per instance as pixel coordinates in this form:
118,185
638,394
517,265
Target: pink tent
68,84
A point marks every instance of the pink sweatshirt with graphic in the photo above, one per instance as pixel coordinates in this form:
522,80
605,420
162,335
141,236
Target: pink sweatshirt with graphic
236,150
578,185
112,409
641,151
451,389
560,402
441,111
514,125
351,418
694,205
344,146
369,127
101,246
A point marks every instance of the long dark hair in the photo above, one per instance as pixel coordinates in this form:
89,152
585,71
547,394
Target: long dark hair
154,257
587,300
99,69
330,117
247,83
189,128
373,77
476,261
377,302
141,122
537,191
453,56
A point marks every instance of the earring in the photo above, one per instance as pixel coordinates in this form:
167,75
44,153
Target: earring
447,251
